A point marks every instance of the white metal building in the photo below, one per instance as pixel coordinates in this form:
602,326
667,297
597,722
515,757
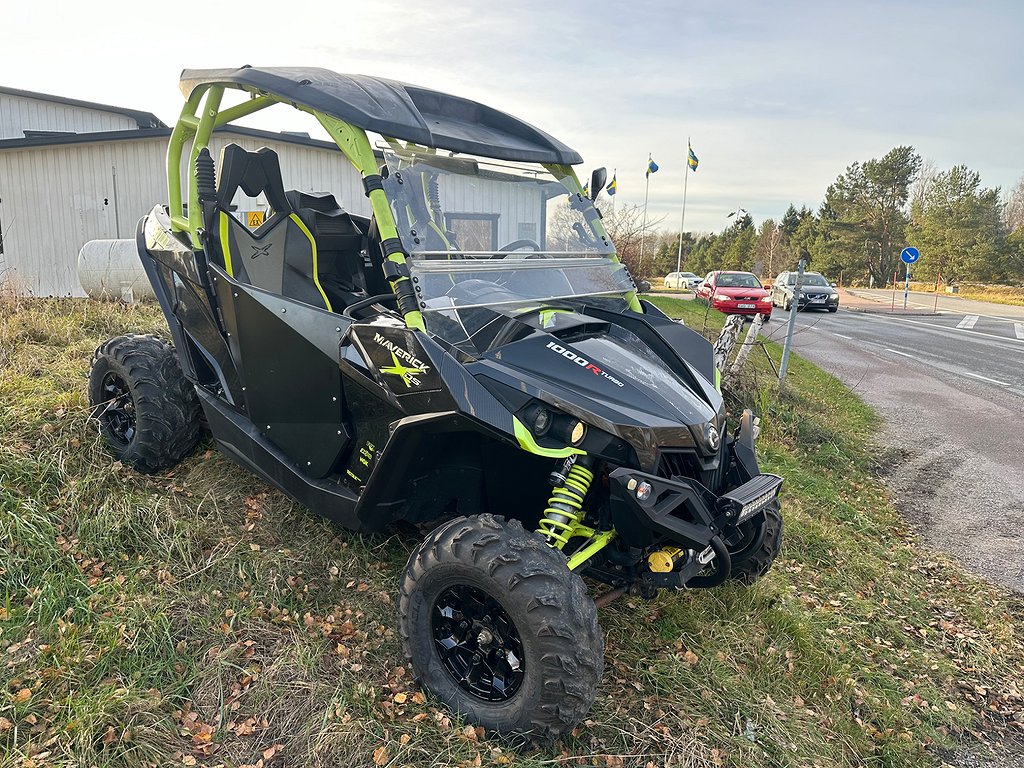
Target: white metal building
73,171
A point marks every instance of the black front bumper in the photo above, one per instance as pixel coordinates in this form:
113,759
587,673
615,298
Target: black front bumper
682,511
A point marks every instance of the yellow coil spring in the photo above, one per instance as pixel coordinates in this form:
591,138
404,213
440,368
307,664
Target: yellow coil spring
565,507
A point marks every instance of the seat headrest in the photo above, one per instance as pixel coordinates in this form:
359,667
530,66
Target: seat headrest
253,172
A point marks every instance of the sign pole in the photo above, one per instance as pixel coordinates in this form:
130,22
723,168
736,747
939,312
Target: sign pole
793,309
906,288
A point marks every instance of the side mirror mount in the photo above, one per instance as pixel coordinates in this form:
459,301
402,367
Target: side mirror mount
767,286
597,182
833,285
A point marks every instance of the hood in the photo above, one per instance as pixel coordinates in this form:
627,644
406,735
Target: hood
609,378
742,292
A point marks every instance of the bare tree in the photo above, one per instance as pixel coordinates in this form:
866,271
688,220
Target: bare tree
1013,213
625,227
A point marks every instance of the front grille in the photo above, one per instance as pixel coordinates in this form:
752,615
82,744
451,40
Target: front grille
681,462
813,296
677,463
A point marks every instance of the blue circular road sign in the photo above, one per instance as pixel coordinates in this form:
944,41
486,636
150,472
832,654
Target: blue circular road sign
909,255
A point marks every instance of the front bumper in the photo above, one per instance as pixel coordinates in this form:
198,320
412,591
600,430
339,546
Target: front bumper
743,307
830,301
684,511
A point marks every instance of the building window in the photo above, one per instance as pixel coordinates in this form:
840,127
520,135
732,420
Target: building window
473,231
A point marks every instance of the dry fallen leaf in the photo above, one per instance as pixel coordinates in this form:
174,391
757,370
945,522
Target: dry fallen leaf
22,696
380,756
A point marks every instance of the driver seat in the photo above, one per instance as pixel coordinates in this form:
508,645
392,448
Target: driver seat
279,256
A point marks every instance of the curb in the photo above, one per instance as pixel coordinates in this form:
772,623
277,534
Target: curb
891,313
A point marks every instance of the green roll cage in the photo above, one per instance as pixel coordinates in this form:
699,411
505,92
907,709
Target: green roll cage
202,113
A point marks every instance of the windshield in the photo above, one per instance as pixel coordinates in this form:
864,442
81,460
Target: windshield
814,280
726,280
483,234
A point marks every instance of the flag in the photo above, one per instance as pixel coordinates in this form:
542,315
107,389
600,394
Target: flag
586,189
612,188
692,159
652,167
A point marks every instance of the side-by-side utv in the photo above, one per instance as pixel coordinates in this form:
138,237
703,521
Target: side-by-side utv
470,359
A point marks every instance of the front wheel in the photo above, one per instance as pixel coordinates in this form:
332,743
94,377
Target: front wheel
499,629
757,544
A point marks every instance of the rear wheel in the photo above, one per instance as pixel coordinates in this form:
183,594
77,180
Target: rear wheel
147,410
499,629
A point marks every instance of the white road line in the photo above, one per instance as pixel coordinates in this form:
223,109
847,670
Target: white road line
897,352
894,319
1018,328
984,378
968,322
844,336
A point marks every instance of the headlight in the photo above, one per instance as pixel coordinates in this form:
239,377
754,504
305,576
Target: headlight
712,436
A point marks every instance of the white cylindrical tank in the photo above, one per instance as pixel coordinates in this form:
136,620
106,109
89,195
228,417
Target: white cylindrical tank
110,269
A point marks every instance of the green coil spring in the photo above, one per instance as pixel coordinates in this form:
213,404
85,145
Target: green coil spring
565,507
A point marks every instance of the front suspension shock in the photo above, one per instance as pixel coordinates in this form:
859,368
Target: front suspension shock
565,506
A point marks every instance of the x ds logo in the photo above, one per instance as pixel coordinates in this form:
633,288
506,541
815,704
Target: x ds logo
260,250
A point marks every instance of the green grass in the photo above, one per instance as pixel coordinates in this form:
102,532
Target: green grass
197,615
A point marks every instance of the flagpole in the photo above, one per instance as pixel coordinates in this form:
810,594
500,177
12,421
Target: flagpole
643,226
682,217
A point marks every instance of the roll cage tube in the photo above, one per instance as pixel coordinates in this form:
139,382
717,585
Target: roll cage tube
199,116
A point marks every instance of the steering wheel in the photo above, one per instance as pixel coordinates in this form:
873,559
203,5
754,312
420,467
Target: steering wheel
515,245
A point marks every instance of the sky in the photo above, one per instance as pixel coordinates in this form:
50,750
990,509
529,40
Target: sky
777,98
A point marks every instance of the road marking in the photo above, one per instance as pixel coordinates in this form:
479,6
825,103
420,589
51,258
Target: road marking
844,336
968,322
887,318
1018,328
897,352
985,378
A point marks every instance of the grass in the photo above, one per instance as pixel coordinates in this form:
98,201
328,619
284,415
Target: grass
996,294
198,617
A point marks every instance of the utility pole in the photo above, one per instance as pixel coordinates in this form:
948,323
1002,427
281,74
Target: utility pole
794,307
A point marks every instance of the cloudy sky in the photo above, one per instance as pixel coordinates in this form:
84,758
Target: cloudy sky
777,97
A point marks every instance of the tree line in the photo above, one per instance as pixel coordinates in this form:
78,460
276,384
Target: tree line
966,232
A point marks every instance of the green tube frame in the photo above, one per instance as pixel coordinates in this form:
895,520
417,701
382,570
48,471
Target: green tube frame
201,114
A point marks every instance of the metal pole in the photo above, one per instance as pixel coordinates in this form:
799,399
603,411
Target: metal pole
895,274
938,278
117,218
906,288
682,217
643,225
794,308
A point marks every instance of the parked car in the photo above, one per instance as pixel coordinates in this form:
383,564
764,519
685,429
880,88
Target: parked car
735,293
816,293
686,280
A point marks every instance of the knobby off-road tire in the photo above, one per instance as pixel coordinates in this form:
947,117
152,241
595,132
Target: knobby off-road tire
759,548
148,412
553,618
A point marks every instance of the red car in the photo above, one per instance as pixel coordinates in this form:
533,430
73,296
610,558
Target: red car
736,293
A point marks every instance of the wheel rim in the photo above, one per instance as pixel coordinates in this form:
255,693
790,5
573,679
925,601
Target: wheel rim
478,643
118,414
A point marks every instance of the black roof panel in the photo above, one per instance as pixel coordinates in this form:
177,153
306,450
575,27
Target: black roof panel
398,110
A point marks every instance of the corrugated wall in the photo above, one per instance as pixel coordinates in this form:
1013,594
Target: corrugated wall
18,114
53,199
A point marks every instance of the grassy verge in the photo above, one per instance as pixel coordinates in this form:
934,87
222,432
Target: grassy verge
197,617
997,294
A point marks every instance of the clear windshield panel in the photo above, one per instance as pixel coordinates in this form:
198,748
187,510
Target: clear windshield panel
486,235
446,205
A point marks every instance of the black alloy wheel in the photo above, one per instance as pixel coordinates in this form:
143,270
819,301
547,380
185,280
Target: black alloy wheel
478,643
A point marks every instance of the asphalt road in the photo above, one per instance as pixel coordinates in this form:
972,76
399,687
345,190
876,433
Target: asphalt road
951,391
945,303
